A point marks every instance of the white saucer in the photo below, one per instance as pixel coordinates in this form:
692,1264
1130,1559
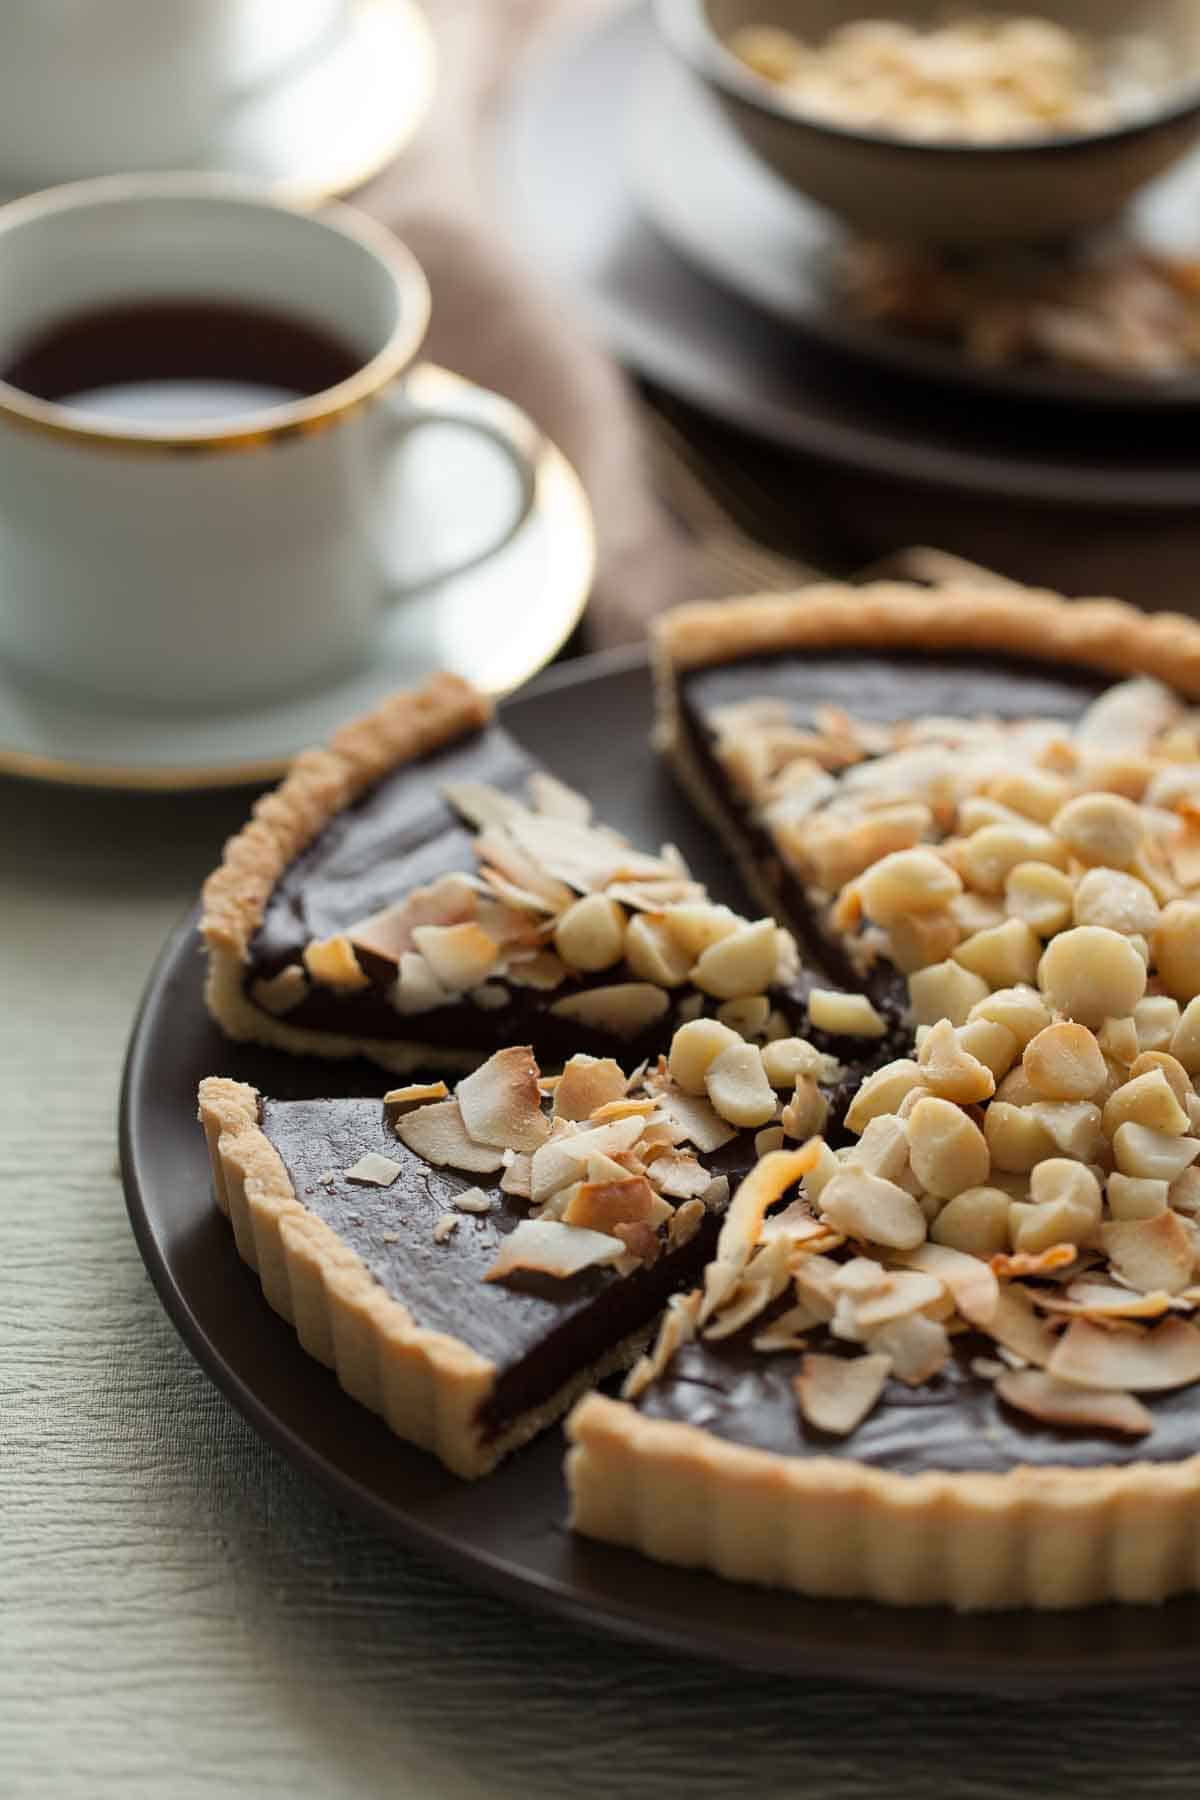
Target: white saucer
331,122
497,623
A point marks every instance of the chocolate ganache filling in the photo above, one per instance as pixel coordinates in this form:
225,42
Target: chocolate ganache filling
403,834
539,1331
954,1422
881,689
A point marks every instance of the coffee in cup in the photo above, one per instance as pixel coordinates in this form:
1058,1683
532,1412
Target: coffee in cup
200,391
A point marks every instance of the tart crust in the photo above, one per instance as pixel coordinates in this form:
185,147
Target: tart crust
427,1385
892,615
320,784
1045,1538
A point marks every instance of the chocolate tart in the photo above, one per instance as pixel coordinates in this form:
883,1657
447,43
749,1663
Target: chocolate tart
949,1408
428,817
386,1262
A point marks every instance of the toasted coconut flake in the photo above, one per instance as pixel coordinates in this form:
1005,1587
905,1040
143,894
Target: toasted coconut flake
680,1176
386,934
1098,1300
795,1223
1015,1326
517,1178
861,1277
654,896
917,1347
501,1103
762,1284
837,1392
622,1109
546,1247
438,1134
280,993
684,1223
544,971
766,1183
716,1194
969,1281
602,1205
907,1292
480,804
553,799
814,1276
496,851
699,1120
445,1227
600,1167
626,1009
588,1082
584,857
1037,1393
557,1162
1011,1267
332,962
416,989
374,1170
417,1093
473,1200
678,1327
1152,1255
642,1244
866,1207
461,956
1166,1356
516,900
787,1332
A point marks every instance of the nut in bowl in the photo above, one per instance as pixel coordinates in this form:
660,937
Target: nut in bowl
995,126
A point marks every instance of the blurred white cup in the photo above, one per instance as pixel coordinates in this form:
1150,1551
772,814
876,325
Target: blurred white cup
93,87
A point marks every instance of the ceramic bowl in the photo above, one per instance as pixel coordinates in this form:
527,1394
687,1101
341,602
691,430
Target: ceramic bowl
947,191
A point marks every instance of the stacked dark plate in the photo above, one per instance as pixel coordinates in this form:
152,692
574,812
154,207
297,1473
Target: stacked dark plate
627,185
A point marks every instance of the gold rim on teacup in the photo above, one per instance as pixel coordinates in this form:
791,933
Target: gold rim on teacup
268,428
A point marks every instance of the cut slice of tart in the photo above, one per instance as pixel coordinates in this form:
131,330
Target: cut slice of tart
423,893
944,734
469,1263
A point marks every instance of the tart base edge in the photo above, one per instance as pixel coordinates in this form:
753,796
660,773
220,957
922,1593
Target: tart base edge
320,783
1050,1539
1109,635
426,1385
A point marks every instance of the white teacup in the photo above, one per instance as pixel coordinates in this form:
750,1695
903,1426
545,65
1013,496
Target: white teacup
197,559
93,86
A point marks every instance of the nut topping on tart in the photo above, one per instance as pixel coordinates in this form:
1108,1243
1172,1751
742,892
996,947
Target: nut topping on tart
440,902
563,1212
992,1288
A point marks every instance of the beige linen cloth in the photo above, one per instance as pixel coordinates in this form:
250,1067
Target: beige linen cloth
662,535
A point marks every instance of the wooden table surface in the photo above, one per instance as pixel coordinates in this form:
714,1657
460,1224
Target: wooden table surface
181,1614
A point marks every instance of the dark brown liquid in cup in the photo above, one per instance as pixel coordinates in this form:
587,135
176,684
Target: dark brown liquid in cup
252,355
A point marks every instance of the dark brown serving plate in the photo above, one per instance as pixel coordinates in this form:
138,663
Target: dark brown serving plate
590,722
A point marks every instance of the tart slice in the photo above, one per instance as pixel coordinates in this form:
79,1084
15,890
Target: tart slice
470,1262
422,893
